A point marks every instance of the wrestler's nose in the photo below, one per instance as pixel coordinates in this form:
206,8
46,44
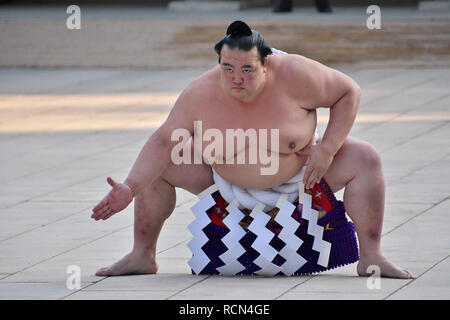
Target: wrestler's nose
238,80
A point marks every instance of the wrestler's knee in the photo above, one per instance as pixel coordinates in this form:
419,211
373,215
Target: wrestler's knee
369,156
194,177
169,174
148,190
353,157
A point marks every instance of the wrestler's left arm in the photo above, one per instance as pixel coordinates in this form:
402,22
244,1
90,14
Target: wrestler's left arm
327,88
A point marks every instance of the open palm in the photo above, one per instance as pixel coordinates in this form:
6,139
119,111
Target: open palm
117,199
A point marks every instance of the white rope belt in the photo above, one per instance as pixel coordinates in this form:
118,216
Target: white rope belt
250,198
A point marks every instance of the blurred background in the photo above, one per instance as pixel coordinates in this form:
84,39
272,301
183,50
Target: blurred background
181,34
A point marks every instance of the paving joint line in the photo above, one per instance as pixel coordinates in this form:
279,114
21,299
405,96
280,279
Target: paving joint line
189,286
437,127
66,251
81,289
77,183
101,111
413,280
402,113
43,225
172,246
73,184
401,90
130,106
80,82
62,142
415,216
94,133
389,72
416,170
295,286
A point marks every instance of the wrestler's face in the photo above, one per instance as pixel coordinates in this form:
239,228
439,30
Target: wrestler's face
242,74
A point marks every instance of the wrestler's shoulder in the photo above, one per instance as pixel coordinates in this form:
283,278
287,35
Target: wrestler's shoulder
198,90
202,86
296,71
296,65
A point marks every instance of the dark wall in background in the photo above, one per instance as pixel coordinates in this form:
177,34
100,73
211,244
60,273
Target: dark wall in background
162,3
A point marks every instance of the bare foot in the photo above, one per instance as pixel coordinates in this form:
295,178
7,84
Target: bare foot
387,269
132,263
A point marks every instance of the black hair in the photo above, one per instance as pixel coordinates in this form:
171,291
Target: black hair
239,35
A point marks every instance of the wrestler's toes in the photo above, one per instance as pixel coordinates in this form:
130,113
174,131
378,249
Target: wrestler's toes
410,275
102,272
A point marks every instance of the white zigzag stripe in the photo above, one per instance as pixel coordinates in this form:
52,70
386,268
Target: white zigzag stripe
319,245
261,244
199,259
258,226
294,261
231,241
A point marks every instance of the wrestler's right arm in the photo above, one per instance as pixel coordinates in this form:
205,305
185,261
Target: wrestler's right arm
153,159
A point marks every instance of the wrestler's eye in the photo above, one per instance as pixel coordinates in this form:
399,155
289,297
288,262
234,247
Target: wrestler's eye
229,70
246,71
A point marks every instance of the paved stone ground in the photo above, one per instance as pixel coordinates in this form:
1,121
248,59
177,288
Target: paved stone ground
62,132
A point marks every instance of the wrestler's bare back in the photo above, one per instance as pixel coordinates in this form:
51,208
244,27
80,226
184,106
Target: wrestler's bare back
274,108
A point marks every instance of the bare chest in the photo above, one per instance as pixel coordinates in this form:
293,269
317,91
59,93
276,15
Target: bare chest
276,119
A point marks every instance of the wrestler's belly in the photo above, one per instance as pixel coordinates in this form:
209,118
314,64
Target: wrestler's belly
250,175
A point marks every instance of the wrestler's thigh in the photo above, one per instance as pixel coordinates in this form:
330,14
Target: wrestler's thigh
192,177
354,155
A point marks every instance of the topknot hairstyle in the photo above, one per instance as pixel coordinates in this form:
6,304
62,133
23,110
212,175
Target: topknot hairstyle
239,35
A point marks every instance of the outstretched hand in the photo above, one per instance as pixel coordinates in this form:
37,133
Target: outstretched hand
118,198
319,161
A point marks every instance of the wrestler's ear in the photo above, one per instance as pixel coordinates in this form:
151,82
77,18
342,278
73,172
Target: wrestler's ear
266,62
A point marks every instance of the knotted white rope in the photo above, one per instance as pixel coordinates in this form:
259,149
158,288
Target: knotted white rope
250,198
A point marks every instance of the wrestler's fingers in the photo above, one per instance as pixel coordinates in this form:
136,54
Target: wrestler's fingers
308,183
104,210
111,212
97,209
97,215
312,180
109,215
100,205
111,182
104,214
309,176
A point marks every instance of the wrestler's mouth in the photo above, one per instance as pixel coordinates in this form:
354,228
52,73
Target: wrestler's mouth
238,88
